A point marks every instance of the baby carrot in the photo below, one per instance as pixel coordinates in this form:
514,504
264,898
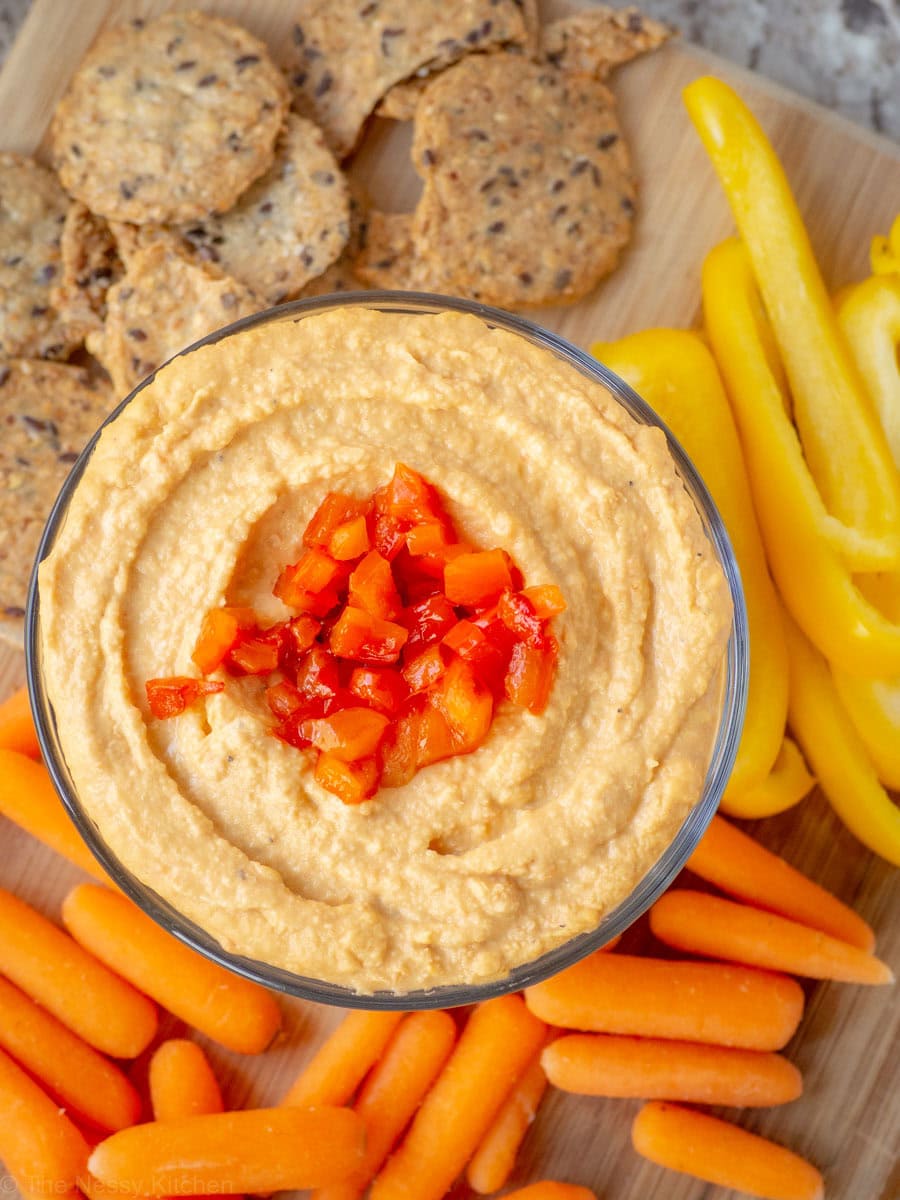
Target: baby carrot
17,730
695,1002
258,1150
719,1152
492,1163
499,1039
182,1083
595,1064
738,864
39,1146
341,1063
393,1091
548,1190
28,798
56,972
83,1080
702,924
239,1014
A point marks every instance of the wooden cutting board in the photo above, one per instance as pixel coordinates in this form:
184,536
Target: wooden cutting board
848,185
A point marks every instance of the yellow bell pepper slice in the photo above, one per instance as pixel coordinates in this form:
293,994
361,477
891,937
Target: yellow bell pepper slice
836,752
873,706
785,785
869,315
814,582
846,449
884,253
676,374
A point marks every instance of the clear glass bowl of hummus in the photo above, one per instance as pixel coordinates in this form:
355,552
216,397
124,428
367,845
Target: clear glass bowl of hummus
731,687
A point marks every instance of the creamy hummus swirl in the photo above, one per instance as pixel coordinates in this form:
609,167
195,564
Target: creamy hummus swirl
198,493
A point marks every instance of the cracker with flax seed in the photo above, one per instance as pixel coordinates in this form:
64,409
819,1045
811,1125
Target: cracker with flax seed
598,40
33,211
164,302
169,120
529,193
289,227
48,412
346,54
90,266
341,276
388,259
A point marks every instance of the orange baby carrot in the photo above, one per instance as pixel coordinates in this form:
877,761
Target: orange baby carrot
739,865
495,1047
17,730
693,1002
39,1146
597,1064
340,1064
702,924
259,1150
394,1090
718,1152
80,1078
56,972
492,1163
182,1083
239,1014
28,797
548,1190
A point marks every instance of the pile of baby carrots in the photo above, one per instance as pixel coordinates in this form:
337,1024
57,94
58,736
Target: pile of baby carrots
402,1104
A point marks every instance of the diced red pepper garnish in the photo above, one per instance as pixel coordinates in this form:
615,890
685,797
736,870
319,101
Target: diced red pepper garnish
517,614
300,635
316,572
372,587
436,738
400,748
283,699
219,633
478,578
465,639
335,510
350,782
427,622
254,656
170,696
387,534
366,638
410,499
547,599
349,734
318,681
379,687
350,540
423,672
466,704
430,538
530,675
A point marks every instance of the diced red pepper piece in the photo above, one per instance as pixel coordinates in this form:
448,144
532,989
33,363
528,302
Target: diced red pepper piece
466,704
288,731
372,587
254,656
430,538
314,573
348,734
387,535
427,623
547,599
350,540
436,738
283,699
517,614
478,578
530,675
410,499
379,687
367,638
351,782
300,635
170,696
318,682
465,638
219,633
336,509
400,748
425,670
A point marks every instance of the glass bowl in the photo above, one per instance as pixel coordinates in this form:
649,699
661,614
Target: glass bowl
650,887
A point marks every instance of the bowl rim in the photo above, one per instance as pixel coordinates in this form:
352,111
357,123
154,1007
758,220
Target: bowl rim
645,892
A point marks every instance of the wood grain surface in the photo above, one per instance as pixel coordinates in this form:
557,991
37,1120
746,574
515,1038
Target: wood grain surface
848,185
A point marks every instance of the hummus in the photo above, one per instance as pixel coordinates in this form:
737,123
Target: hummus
197,495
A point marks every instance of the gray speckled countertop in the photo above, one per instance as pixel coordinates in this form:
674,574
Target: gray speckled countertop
843,53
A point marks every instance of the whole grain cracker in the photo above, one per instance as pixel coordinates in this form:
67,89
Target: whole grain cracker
340,276
289,227
90,266
346,54
169,120
33,211
597,40
48,411
163,303
529,193
388,259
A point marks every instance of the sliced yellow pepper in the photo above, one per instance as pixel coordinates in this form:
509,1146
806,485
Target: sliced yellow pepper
785,785
676,374
869,315
842,440
884,254
873,706
836,753
814,582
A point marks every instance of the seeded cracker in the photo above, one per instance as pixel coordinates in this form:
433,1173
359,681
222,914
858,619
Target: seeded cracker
162,304
32,212
48,411
341,275
289,227
594,42
529,193
90,266
347,54
388,259
168,120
